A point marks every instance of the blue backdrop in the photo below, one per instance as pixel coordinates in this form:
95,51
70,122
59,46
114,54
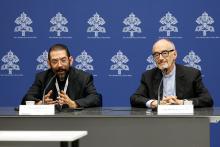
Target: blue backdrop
111,39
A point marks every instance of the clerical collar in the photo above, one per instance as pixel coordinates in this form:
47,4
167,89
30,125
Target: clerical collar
171,73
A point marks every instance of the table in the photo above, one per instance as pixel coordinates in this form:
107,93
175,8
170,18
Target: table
64,137
122,126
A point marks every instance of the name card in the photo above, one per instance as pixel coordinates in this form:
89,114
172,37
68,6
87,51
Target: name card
175,110
36,110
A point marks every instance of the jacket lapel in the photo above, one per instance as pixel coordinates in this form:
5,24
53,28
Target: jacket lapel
180,82
51,85
71,90
156,82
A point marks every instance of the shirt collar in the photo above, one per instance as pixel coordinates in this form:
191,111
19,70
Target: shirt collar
171,73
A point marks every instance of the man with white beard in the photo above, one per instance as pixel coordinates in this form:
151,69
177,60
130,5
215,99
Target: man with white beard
172,82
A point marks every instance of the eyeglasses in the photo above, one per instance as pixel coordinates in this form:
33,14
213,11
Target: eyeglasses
164,53
63,60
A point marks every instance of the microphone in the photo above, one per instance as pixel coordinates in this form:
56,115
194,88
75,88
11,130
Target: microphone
43,99
164,71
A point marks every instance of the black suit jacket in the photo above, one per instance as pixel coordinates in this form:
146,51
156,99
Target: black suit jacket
189,85
80,89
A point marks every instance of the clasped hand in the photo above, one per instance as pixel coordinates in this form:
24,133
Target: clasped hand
171,100
167,100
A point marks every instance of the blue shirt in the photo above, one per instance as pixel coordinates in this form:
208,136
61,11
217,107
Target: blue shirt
169,83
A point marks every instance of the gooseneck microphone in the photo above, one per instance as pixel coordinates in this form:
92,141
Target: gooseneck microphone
164,71
43,99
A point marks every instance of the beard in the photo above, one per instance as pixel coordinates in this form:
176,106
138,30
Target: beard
164,66
61,76
61,73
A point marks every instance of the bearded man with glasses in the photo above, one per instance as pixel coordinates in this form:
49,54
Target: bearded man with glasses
63,84
174,84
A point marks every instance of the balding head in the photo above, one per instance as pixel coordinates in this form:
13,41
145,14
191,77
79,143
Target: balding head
163,44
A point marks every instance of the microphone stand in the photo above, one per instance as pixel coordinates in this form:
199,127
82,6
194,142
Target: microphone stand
164,71
43,99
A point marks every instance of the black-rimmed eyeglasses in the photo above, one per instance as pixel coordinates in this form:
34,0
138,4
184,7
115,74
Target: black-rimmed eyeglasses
164,53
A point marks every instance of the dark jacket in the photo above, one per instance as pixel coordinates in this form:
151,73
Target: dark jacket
80,89
189,85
